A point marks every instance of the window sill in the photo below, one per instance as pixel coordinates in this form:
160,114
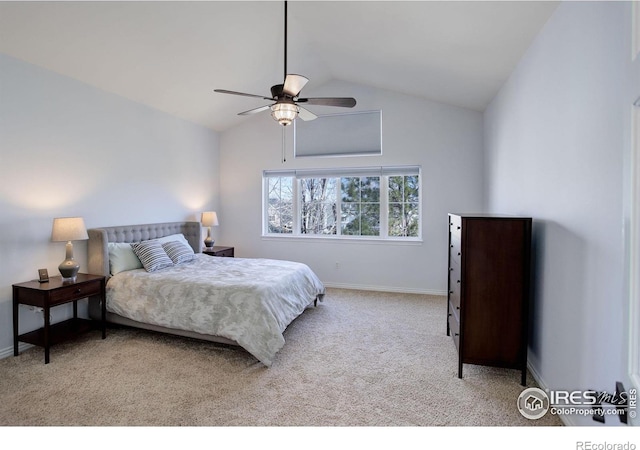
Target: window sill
343,239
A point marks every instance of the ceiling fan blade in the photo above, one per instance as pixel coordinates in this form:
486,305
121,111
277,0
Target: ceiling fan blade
305,114
345,102
224,91
254,110
293,84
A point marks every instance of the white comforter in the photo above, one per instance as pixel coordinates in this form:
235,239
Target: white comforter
250,301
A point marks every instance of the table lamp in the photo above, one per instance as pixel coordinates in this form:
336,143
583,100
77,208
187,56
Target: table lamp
209,219
69,229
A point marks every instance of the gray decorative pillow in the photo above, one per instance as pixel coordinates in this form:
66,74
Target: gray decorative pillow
152,255
178,252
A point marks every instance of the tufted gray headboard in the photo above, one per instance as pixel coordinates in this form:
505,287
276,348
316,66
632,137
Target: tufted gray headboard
100,237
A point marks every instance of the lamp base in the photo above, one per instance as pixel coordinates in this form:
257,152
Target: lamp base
208,242
69,269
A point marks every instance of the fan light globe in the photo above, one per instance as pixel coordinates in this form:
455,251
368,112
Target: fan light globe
284,113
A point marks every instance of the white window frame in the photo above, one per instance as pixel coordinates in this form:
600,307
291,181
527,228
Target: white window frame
382,172
634,256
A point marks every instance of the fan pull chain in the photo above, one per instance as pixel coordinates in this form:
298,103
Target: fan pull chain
284,154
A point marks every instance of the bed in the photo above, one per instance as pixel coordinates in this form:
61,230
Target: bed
244,302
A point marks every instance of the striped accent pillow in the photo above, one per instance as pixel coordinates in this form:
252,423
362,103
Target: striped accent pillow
178,252
152,255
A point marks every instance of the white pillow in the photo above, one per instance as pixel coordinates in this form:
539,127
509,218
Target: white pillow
122,257
174,237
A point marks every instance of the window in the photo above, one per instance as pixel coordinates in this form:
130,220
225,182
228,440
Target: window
376,203
344,134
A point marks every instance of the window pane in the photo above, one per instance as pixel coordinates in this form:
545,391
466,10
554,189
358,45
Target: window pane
395,189
350,189
280,208
360,206
412,217
395,220
318,209
404,219
370,189
350,219
370,219
411,188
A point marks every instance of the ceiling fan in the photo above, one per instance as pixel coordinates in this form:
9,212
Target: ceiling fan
287,95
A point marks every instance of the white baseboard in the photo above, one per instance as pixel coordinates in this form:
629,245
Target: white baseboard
6,352
400,290
566,420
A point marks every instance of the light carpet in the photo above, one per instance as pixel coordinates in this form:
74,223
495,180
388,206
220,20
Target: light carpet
359,358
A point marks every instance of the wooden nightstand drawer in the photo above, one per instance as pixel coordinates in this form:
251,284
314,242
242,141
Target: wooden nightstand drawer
227,252
66,294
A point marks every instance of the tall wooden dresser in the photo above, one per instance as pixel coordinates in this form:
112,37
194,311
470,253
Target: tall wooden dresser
488,290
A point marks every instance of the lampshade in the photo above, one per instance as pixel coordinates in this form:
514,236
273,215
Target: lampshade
68,229
284,113
209,219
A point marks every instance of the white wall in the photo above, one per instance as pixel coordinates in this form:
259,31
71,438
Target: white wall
446,141
556,139
69,149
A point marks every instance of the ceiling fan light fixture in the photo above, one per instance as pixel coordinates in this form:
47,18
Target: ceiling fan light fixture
284,113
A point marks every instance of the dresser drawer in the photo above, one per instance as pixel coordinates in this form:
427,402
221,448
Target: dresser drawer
454,329
455,225
455,286
76,291
455,250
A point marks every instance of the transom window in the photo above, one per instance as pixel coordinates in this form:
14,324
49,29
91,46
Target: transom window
377,203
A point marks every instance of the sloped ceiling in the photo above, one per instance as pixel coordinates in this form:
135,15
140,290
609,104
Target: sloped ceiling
171,55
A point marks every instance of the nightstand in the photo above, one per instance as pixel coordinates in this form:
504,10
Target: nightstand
53,293
219,251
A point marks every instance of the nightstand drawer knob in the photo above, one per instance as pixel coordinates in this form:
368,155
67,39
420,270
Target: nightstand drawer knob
78,290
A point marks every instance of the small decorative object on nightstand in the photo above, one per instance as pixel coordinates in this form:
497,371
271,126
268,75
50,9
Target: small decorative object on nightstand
219,251
69,229
209,219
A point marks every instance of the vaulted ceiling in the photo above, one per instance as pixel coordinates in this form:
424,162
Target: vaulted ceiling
171,55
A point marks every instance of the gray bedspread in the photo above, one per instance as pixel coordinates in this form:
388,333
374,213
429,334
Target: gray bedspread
250,301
